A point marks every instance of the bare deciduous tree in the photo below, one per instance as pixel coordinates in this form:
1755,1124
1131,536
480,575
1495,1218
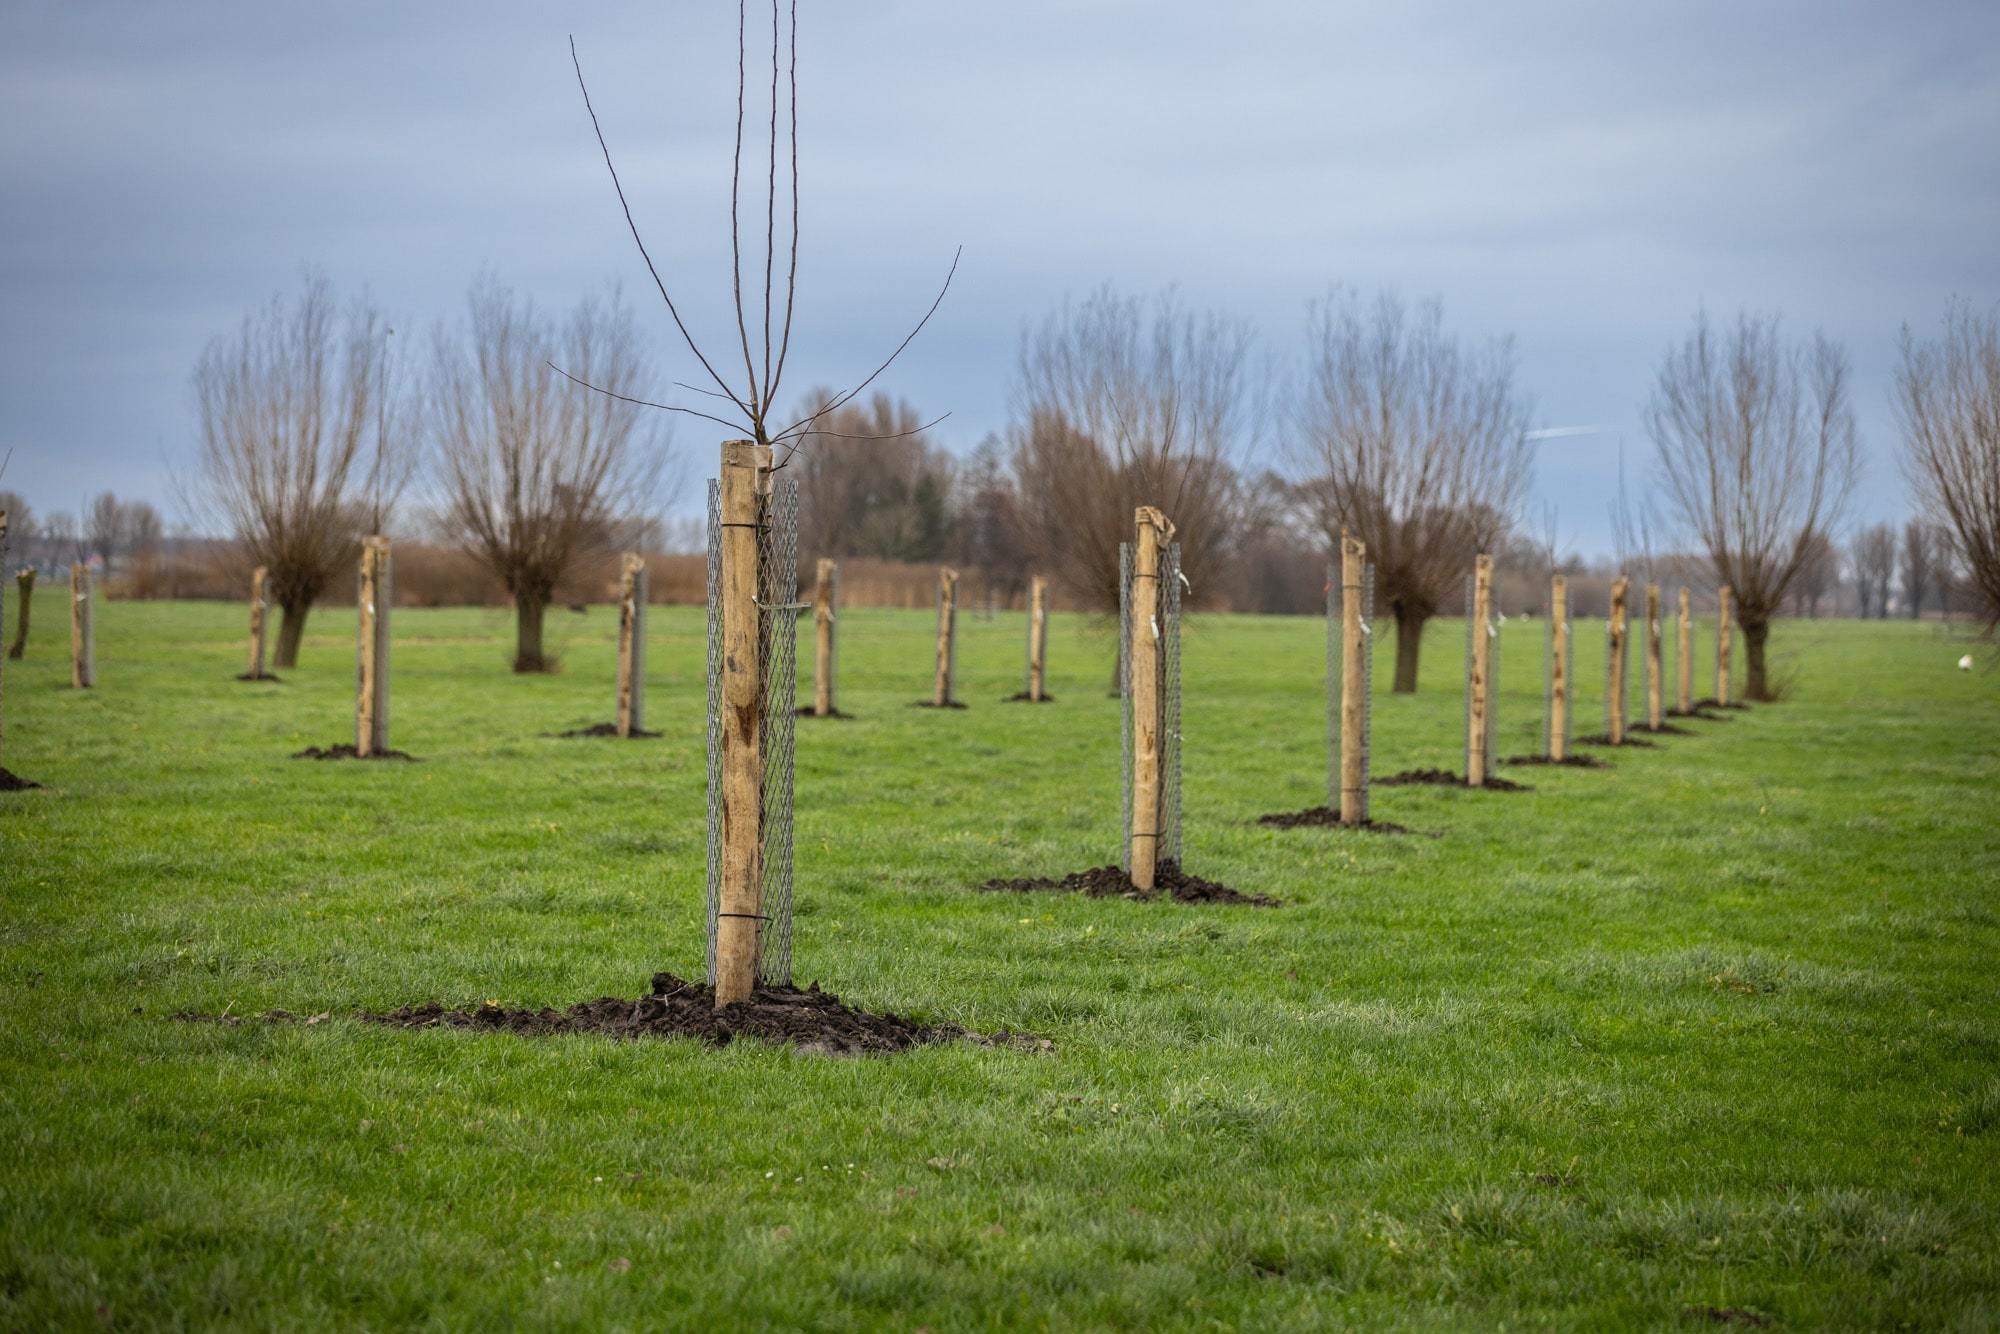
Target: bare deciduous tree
1819,575
1874,556
871,483
535,469
304,443
1121,403
1413,442
1920,563
1948,399
1757,453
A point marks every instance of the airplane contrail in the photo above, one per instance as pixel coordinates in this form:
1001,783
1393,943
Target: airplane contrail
1552,432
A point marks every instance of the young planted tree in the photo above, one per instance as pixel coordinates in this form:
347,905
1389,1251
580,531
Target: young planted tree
536,469
304,443
1122,404
1756,446
748,604
1414,442
1948,400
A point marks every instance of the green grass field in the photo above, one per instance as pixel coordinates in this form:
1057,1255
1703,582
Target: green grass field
1710,1036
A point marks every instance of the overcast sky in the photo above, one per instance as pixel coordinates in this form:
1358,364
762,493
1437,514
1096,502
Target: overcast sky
1581,176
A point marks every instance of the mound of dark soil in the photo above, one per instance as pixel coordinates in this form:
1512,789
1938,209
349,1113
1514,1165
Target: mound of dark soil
1567,761
1699,712
1022,697
1328,817
605,729
806,711
810,1021
346,752
13,782
1604,739
1664,729
1103,882
1446,778
932,704
267,676
1713,703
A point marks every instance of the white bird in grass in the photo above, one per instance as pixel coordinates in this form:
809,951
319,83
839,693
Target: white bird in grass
1965,663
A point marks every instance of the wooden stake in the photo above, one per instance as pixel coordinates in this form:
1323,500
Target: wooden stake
1722,645
82,629
1615,645
1353,679
1154,532
1480,683
1558,668
947,627
24,586
744,489
1038,636
256,670
631,644
823,631
1684,654
371,649
1654,686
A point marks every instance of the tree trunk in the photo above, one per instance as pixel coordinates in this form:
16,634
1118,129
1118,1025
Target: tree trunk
528,609
25,582
1409,635
291,629
1754,635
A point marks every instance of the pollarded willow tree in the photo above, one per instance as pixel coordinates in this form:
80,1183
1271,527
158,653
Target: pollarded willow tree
1757,456
538,472
1415,443
305,443
1121,403
1948,398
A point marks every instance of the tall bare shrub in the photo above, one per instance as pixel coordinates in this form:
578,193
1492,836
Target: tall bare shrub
1756,447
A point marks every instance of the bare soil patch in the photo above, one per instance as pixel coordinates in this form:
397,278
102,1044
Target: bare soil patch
347,752
1705,715
1103,882
1604,739
1446,778
933,704
605,729
1023,697
1713,703
806,711
13,782
267,676
810,1021
1325,817
1566,762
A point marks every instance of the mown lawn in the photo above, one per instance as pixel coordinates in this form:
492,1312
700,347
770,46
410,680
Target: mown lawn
1713,1035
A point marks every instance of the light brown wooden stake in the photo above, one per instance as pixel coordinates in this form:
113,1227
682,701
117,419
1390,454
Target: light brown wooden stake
1144,650
947,627
1353,678
82,629
371,649
631,644
256,670
24,587
1722,645
1038,636
744,489
1684,654
1482,667
1558,668
823,632
1615,645
1655,690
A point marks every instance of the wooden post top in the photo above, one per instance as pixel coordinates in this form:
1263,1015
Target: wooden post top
1148,517
825,566
1352,546
1559,582
947,577
749,454
1482,563
632,562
